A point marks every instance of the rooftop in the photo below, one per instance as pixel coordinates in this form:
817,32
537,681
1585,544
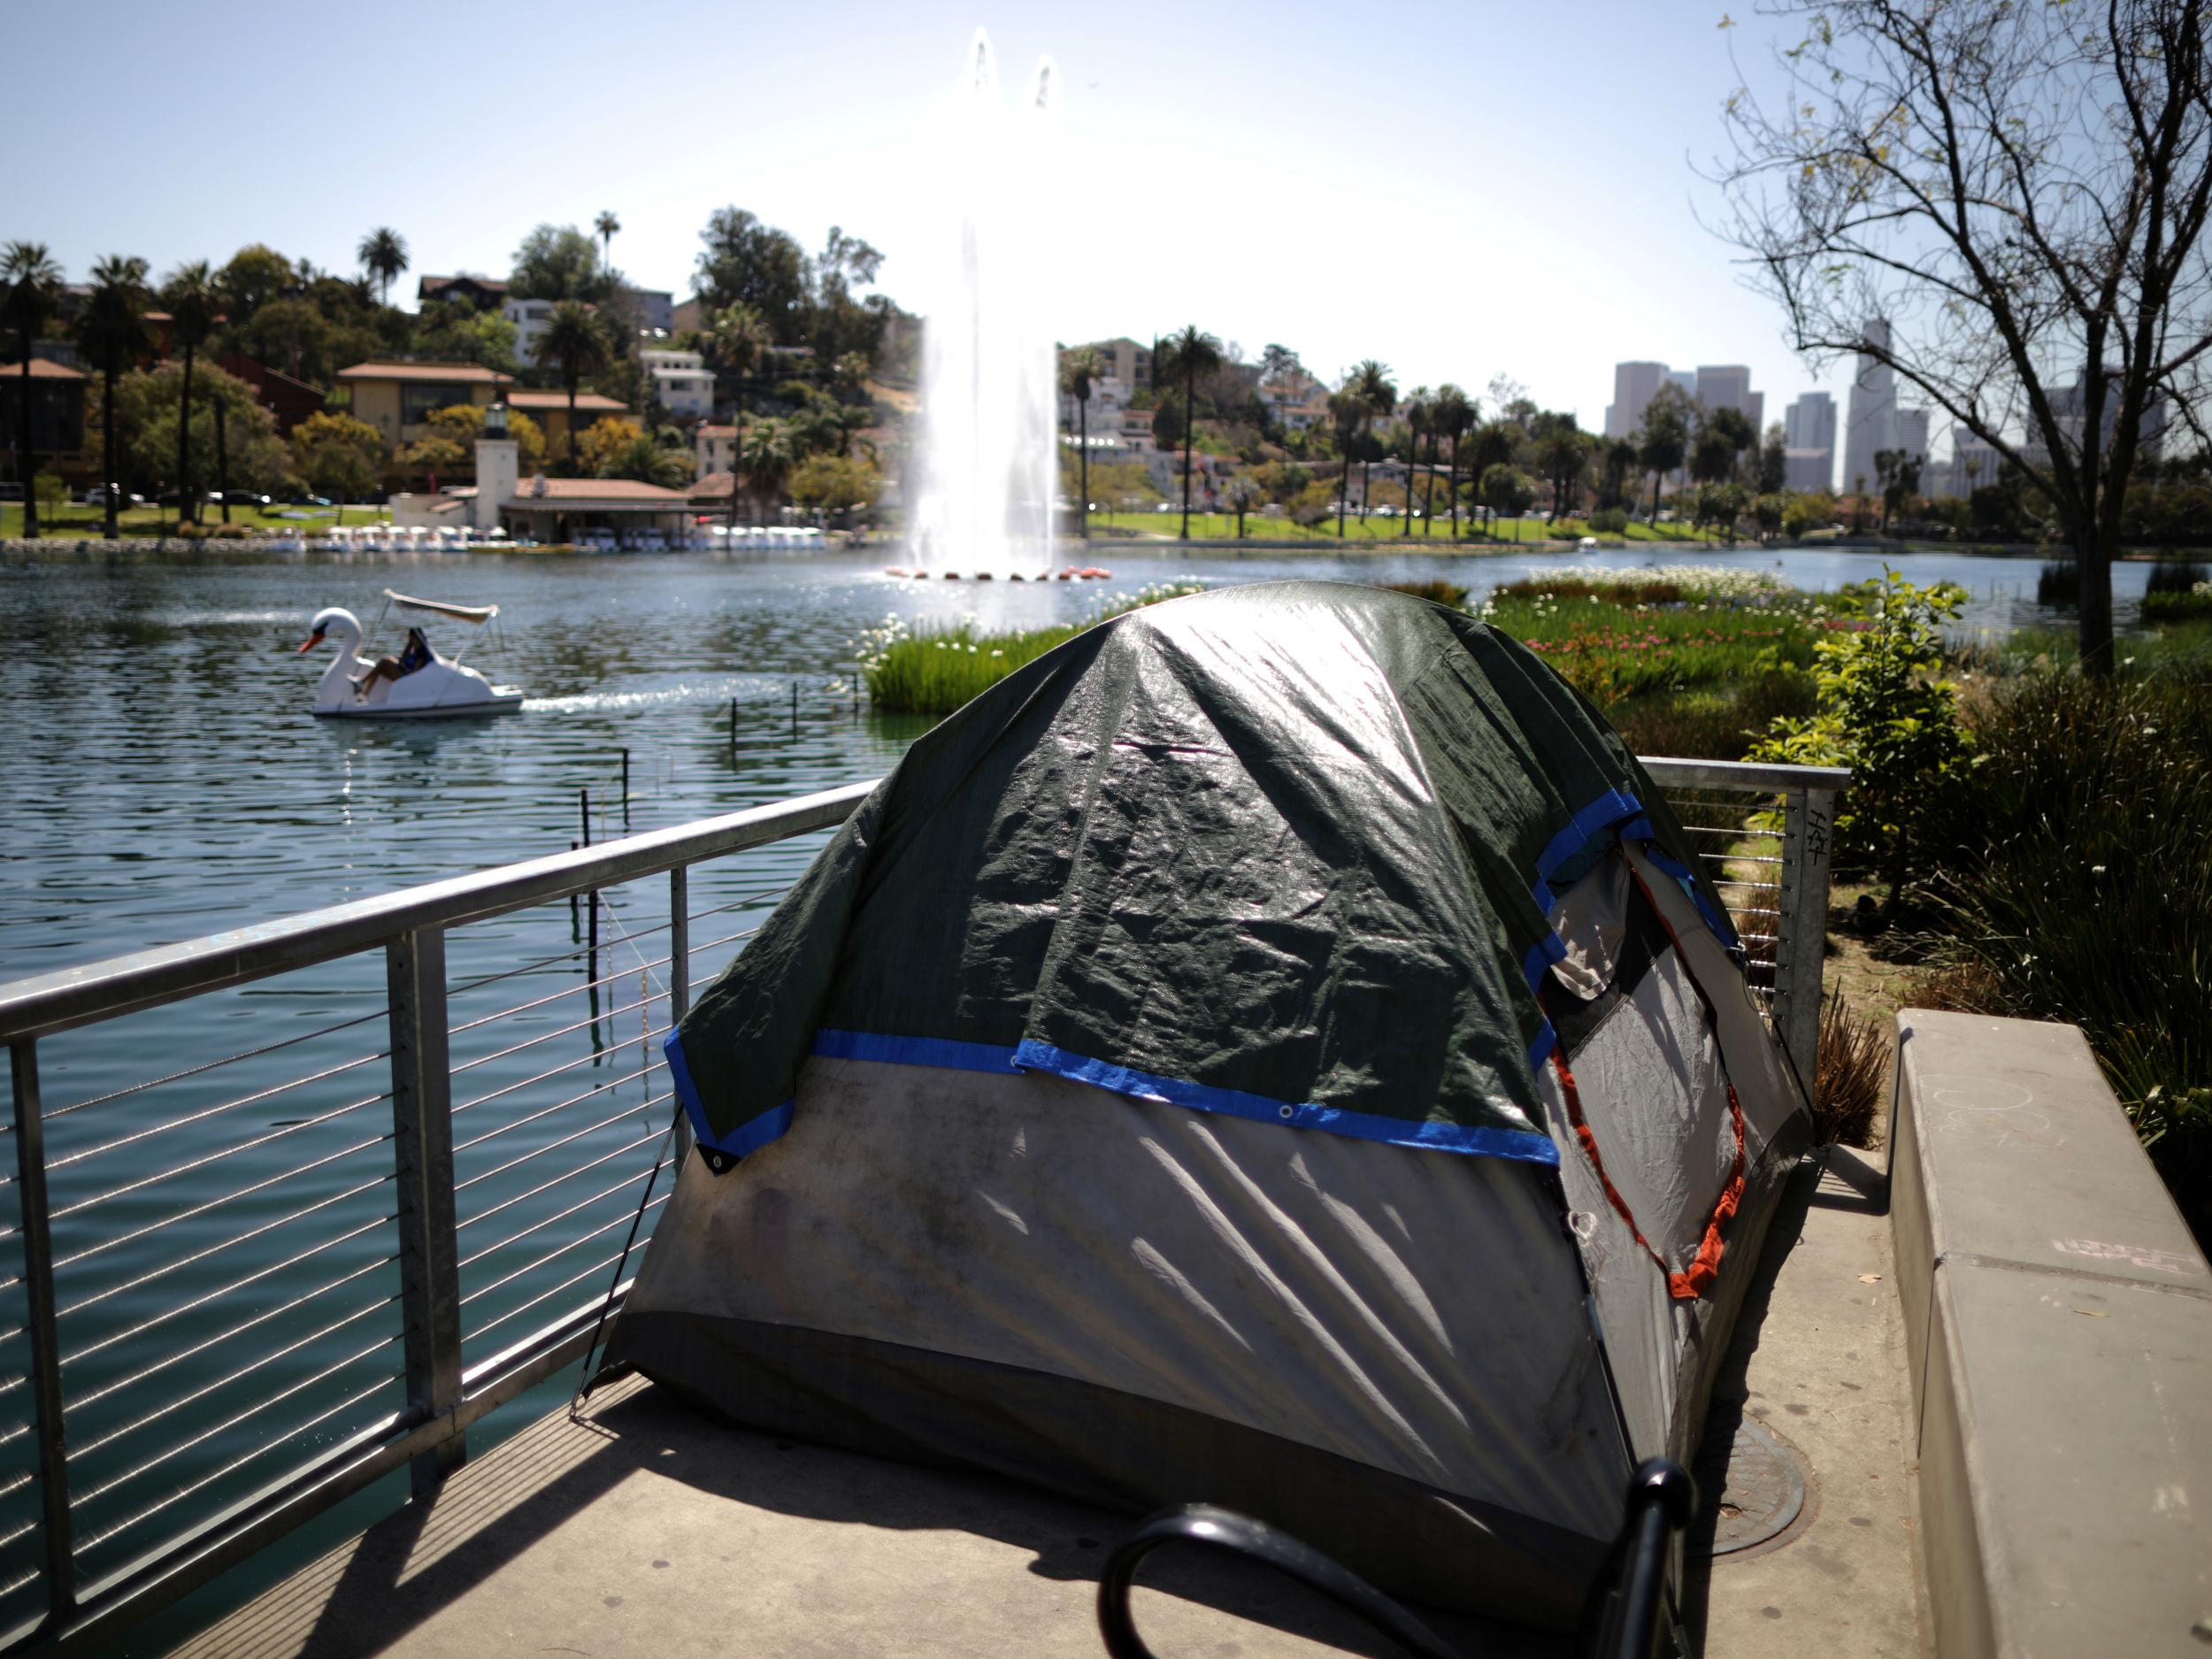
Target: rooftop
380,370
42,369
592,401
570,491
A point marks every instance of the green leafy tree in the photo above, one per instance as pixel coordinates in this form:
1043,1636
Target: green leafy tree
256,274
1733,425
746,262
573,345
835,485
841,323
559,262
1768,508
112,334
147,404
1493,444
1508,492
32,292
1665,437
338,455
189,297
608,437
383,253
433,455
2021,192
1188,355
1078,369
1379,395
606,225
1774,462
463,424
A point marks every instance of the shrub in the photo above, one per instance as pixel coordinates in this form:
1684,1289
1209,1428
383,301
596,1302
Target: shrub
2059,586
2170,576
2193,605
2076,883
1610,521
1884,713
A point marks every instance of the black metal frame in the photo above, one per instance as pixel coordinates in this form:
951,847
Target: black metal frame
1629,1612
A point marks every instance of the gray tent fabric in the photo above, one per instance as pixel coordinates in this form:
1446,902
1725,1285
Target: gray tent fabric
1208,851
1276,1050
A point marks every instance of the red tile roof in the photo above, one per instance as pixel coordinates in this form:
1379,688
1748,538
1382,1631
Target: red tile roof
380,371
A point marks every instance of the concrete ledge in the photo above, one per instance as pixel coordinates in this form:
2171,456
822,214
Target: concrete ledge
2058,1321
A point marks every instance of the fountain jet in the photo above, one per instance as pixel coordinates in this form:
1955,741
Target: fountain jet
989,467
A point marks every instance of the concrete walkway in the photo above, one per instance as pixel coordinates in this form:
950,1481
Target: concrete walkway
649,1530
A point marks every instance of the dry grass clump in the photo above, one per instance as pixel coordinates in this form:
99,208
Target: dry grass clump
1850,1076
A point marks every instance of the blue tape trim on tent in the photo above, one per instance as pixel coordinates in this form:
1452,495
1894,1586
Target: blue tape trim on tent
1719,924
749,1136
1599,816
937,1051
1526,1146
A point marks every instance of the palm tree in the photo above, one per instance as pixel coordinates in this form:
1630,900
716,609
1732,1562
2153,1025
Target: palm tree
1452,414
1078,370
575,344
606,225
384,256
190,298
113,334
1378,394
1419,415
1189,354
34,290
768,456
740,336
1346,414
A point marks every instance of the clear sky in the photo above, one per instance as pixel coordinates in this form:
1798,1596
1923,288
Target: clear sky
1460,189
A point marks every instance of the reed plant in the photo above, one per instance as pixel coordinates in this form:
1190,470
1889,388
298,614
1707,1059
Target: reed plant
936,669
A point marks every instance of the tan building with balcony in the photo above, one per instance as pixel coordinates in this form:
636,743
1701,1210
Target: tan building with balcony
396,398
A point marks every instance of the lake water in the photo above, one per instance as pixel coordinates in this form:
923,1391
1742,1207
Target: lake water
221,1223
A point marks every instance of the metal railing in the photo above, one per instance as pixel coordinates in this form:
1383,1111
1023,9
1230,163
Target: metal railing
219,1323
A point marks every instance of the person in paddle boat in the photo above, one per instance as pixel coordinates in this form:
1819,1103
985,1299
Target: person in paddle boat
416,655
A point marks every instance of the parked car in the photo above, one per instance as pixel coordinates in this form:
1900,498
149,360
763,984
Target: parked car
97,496
246,498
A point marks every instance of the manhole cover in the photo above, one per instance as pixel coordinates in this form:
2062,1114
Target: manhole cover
1757,1481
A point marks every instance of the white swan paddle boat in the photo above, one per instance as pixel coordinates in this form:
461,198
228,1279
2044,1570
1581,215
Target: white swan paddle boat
417,683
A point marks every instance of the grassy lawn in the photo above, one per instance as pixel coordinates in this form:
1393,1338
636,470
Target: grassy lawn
73,520
1215,526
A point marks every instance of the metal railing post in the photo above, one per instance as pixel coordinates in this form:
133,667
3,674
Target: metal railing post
680,984
1809,820
38,1284
422,1123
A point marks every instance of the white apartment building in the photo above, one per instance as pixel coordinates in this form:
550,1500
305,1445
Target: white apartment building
1100,412
681,384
